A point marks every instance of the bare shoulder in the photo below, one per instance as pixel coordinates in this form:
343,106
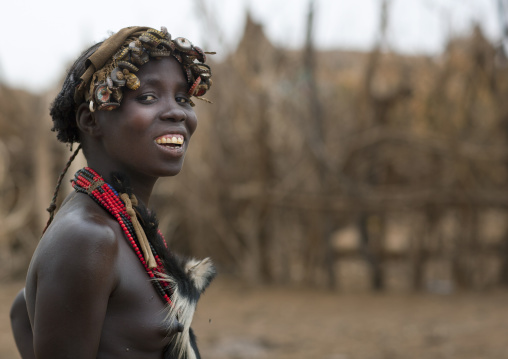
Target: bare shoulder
82,239
82,224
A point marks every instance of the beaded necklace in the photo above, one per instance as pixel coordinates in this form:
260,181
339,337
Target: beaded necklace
87,181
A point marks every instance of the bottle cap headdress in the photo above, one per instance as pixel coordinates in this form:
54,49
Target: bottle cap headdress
113,66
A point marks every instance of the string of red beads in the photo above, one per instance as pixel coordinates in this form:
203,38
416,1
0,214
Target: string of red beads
87,181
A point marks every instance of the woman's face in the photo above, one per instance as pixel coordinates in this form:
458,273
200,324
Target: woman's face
149,133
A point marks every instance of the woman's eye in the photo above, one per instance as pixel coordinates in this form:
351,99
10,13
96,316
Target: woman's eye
182,100
146,98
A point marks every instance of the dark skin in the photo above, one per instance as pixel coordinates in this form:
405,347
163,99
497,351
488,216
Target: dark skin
87,294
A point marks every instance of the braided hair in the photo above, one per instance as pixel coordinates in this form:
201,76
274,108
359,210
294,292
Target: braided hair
63,113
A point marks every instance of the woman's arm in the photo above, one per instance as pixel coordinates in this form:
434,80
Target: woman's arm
70,289
21,327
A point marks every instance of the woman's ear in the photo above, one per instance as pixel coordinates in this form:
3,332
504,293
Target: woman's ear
86,121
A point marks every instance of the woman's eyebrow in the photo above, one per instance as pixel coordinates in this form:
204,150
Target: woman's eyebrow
155,80
150,80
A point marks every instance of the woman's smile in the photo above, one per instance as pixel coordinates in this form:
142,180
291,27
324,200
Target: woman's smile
173,143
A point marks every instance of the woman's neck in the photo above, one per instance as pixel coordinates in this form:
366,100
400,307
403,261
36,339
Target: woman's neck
141,186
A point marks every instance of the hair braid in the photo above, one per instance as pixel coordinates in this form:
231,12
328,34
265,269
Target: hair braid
52,207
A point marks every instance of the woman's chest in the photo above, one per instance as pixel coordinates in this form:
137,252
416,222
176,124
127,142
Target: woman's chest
136,312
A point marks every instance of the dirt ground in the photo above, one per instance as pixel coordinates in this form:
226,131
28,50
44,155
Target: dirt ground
237,321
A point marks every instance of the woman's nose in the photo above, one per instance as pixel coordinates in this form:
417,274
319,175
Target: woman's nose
174,112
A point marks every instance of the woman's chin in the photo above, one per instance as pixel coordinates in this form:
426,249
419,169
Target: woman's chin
171,171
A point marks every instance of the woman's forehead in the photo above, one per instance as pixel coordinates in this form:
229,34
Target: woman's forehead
163,71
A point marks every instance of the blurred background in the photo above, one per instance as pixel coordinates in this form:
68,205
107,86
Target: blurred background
348,180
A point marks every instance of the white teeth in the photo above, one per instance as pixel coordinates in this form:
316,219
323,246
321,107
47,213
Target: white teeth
174,140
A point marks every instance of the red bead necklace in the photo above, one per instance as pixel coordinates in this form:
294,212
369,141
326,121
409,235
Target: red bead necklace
87,181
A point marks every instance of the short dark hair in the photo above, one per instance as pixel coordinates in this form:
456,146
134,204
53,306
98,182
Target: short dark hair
63,109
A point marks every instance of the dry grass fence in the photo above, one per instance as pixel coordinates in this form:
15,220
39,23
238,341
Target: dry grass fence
336,169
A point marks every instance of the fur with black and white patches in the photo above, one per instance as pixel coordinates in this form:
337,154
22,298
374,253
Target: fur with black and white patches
187,289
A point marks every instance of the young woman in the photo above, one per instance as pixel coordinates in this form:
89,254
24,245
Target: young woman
102,283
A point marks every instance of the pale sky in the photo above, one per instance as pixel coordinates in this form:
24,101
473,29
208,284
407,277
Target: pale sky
41,38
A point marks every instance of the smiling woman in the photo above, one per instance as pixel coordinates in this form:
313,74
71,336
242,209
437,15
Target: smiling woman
102,283
131,135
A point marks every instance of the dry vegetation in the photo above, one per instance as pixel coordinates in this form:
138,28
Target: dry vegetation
334,169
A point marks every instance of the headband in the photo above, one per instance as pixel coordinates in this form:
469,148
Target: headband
114,64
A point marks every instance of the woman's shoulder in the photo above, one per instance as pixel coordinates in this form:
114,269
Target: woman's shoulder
81,231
